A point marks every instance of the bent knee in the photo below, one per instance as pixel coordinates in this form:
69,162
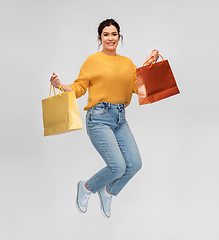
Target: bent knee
139,165
135,168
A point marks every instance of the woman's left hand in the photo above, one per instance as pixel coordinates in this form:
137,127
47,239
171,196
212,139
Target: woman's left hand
154,53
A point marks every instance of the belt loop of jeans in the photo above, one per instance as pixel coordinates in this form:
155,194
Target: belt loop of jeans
121,106
109,105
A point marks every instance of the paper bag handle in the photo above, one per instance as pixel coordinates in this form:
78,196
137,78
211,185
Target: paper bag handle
60,88
152,58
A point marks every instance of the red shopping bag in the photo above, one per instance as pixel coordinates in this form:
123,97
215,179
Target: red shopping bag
155,82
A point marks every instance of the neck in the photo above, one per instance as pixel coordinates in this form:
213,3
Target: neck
111,53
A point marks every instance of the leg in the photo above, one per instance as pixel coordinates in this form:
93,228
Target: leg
105,142
131,155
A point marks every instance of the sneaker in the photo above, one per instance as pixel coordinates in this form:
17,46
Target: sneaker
105,202
82,197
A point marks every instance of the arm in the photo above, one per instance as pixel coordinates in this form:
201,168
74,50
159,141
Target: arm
153,53
135,90
79,86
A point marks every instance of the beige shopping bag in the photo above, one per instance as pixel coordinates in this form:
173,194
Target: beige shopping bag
60,113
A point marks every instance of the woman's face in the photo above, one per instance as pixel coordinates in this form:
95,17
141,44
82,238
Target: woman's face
110,40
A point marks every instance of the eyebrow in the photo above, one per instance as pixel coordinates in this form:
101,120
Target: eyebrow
112,32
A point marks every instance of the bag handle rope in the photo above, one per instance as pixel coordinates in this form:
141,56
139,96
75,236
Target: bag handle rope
60,88
152,58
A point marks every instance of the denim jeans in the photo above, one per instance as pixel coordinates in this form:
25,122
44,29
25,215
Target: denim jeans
111,136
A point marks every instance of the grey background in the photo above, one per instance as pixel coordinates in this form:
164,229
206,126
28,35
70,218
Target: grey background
175,195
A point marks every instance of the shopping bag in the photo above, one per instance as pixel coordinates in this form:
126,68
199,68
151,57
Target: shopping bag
60,113
155,82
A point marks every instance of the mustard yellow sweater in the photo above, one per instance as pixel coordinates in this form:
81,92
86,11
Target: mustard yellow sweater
108,79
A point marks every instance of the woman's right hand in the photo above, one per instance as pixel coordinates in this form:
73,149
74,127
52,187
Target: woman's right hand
55,81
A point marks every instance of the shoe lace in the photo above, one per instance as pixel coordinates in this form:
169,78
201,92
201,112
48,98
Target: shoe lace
85,199
108,203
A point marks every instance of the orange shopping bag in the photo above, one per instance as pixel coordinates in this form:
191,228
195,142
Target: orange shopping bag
155,82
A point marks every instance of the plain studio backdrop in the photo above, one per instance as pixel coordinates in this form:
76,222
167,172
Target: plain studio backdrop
175,195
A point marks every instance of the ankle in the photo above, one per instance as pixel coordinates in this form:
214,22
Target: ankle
107,193
85,185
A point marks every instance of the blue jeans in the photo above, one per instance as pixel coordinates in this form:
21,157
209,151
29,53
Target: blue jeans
111,136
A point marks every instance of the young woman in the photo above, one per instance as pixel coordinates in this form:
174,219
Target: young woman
110,80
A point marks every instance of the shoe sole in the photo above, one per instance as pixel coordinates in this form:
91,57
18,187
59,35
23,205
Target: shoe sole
101,206
77,200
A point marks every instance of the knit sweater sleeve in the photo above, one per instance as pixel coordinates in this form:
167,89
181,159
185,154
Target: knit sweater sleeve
135,79
81,84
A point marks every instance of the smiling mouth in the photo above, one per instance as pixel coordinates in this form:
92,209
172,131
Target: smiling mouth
111,43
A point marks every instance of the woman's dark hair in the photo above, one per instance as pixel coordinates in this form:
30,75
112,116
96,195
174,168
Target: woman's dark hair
107,23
